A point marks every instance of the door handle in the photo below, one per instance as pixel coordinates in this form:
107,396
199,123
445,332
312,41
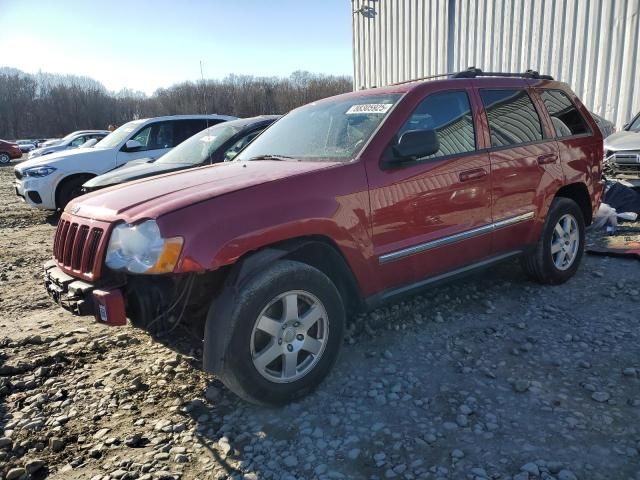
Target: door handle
472,174
548,158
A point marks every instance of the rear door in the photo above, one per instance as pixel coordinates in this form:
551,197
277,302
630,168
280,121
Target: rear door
524,160
432,215
579,140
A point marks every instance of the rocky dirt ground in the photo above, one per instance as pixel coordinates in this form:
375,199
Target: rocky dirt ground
493,377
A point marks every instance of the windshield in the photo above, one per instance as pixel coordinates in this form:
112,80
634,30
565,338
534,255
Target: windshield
329,130
69,137
635,124
201,146
116,137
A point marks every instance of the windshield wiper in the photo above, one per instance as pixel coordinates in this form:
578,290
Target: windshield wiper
271,157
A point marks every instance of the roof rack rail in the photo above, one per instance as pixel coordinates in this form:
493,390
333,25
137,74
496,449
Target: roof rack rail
473,72
437,75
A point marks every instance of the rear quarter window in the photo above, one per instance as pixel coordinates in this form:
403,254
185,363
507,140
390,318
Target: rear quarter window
565,116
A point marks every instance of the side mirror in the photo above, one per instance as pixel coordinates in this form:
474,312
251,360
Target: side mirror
416,144
132,146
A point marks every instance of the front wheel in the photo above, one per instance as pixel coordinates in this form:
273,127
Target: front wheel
287,326
557,255
4,158
69,189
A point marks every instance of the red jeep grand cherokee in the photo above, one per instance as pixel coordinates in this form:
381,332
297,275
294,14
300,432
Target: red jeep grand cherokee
343,203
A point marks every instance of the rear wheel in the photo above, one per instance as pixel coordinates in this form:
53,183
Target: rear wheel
287,327
559,251
4,158
69,189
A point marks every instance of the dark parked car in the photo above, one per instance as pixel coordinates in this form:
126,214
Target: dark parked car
622,153
345,203
9,151
216,144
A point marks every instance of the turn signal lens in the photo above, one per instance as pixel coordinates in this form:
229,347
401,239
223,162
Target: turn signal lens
168,256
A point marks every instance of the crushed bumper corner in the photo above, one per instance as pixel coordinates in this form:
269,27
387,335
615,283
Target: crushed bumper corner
70,293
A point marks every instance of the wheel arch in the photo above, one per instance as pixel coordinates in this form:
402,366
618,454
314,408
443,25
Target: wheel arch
64,180
316,251
579,193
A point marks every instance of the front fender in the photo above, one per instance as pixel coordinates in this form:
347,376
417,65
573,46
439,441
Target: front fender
222,230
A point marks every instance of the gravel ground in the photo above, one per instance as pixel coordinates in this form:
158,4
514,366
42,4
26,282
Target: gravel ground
493,377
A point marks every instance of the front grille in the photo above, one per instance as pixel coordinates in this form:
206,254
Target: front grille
18,174
627,158
622,168
77,248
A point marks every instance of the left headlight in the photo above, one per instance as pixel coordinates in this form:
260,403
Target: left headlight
141,249
38,171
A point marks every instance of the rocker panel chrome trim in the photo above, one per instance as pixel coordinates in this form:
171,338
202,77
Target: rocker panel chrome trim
458,237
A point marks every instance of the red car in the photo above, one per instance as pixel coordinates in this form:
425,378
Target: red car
340,205
9,151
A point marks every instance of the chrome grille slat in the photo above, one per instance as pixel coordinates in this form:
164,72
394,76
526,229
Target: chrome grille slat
76,247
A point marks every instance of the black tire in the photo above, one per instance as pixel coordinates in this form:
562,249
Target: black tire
69,189
240,313
4,158
539,263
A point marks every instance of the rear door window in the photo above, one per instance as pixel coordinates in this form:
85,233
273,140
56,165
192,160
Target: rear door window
513,119
567,120
449,114
184,129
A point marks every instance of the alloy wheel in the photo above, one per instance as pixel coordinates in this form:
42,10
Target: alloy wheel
289,336
565,242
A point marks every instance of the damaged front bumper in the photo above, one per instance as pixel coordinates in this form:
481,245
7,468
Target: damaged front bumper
106,304
623,166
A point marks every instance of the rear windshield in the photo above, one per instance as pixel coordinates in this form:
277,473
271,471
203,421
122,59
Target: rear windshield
328,130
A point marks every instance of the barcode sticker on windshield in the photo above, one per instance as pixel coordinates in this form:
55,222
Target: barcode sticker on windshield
369,108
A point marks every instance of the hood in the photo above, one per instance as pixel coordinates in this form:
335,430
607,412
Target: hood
57,157
133,171
152,197
51,148
624,140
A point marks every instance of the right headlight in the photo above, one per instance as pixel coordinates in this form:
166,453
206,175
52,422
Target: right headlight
140,248
42,171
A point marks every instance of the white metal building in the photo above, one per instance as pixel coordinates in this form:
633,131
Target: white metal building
593,45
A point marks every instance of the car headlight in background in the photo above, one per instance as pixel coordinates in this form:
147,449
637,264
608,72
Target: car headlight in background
38,171
141,249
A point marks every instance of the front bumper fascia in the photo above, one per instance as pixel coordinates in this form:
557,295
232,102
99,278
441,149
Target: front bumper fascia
70,293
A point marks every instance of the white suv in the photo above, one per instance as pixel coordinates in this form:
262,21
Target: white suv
73,140
51,181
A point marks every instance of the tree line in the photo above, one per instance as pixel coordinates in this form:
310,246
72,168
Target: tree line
48,105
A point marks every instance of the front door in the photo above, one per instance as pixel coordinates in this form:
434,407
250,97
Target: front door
155,140
432,214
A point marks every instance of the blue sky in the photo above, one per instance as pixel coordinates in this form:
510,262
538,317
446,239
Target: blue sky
144,45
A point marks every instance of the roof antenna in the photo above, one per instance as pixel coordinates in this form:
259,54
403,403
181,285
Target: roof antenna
204,93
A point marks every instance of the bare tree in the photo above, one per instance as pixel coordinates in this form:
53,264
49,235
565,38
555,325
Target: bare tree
46,105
